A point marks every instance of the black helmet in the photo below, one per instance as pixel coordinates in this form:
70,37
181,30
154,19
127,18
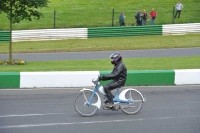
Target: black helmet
116,57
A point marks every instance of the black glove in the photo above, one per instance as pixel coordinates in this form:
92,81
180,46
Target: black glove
100,78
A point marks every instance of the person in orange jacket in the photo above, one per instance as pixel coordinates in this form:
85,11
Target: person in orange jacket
153,15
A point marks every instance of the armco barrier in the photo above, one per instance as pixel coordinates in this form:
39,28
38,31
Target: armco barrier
124,31
84,33
84,78
49,34
180,29
4,36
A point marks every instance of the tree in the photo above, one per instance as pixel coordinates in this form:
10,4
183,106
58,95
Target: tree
18,10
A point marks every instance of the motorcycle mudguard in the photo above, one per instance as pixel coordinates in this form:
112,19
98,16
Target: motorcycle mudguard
122,94
98,103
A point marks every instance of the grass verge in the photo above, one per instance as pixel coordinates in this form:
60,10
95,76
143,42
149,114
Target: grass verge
98,13
101,44
191,62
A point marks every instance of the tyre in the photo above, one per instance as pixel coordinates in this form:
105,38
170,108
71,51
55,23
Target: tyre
135,105
81,105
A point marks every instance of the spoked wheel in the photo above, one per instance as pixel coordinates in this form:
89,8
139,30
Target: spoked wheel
135,105
81,104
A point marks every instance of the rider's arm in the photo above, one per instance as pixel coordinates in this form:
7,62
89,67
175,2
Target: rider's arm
114,74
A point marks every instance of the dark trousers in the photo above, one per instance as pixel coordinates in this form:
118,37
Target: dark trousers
139,22
121,23
111,86
178,12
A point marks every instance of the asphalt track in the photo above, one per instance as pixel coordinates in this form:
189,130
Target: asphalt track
177,52
169,109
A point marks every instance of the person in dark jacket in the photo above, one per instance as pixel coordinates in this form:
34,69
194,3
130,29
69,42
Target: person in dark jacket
118,77
144,17
138,18
121,19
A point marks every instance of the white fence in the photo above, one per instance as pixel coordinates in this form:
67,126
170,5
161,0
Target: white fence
49,34
181,29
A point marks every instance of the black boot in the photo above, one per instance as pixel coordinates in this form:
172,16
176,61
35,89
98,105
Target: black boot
110,98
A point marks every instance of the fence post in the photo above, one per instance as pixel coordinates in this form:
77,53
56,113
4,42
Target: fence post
173,14
54,22
112,17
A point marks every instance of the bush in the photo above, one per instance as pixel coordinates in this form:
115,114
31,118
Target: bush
12,62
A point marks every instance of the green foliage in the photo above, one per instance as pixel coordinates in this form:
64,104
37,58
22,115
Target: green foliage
18,10
22,9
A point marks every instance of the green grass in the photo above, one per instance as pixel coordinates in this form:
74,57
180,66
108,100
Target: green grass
96,65
101,44
98,13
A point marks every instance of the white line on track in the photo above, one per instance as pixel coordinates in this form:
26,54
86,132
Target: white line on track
92,122
4,116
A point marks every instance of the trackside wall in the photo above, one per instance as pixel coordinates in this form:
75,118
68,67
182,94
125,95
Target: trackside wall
188,76
9,80
84,78
57,79
147,77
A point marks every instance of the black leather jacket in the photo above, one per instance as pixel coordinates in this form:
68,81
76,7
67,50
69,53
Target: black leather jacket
119,73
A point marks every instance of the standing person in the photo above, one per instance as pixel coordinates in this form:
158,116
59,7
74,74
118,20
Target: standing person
153,15
179,7
121,19
138,18
118,75
144,17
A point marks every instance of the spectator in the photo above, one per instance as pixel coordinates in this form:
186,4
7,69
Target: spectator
179,7
138,18
144,17
121,19
153,15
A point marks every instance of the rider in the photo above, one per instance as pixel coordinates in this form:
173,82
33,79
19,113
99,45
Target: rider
118,75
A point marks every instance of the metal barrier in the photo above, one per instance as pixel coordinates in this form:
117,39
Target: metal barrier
124,31
84,33
4,36
180,29
49,34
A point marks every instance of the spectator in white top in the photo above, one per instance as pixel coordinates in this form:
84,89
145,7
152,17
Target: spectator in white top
179,7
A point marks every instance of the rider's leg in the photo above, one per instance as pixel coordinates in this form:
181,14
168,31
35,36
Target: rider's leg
109,94
109,87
